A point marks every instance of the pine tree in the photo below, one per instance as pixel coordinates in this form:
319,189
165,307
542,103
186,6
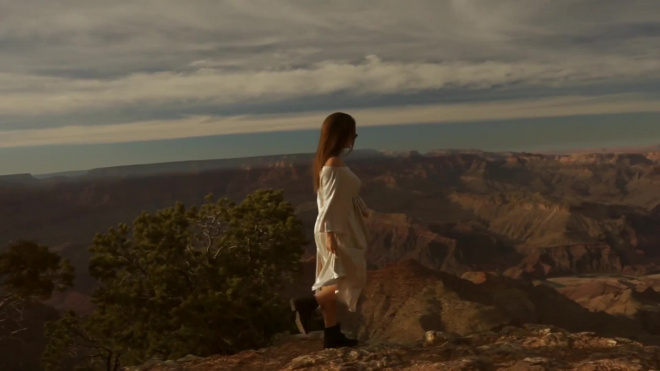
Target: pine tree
188,281
29,272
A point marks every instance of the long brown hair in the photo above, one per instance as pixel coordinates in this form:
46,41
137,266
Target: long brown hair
337,130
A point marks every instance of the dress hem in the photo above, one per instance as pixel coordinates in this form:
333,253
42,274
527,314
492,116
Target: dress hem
330,282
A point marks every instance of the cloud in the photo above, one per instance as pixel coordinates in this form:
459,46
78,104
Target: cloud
196,126
26,96
64,61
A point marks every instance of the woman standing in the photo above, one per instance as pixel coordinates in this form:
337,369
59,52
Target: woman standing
340,233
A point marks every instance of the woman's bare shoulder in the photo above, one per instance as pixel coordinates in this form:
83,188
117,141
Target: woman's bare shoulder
335,161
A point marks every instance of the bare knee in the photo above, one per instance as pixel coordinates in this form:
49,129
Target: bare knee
326,297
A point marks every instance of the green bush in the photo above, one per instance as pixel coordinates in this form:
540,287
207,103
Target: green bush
187,281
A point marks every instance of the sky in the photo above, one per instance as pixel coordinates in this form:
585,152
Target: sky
91,83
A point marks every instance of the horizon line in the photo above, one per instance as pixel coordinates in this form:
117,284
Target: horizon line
568,152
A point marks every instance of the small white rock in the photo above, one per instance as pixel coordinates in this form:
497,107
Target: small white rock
536,360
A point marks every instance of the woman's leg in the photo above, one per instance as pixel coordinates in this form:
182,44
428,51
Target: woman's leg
332,335
327,300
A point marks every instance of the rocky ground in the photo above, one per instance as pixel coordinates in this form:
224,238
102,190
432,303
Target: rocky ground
411,317
530,347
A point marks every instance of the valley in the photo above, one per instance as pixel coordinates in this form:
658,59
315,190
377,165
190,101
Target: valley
583,226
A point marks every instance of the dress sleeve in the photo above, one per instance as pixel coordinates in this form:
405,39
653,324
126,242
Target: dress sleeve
334,213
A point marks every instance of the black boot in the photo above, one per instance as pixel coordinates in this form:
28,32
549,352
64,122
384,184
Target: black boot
334,338
304,308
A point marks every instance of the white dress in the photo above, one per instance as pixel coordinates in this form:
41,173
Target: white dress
340,211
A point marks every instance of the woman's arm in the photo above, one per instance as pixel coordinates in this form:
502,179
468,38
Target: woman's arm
331,242
334,211
364,210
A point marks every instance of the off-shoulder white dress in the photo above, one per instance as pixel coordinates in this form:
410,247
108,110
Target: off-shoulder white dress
340,211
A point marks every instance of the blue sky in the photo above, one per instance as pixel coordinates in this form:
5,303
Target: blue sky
98,83
544,134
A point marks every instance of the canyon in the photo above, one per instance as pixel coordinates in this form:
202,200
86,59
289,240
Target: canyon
575,231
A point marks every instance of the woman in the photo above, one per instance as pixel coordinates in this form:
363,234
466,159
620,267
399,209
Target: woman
340,233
